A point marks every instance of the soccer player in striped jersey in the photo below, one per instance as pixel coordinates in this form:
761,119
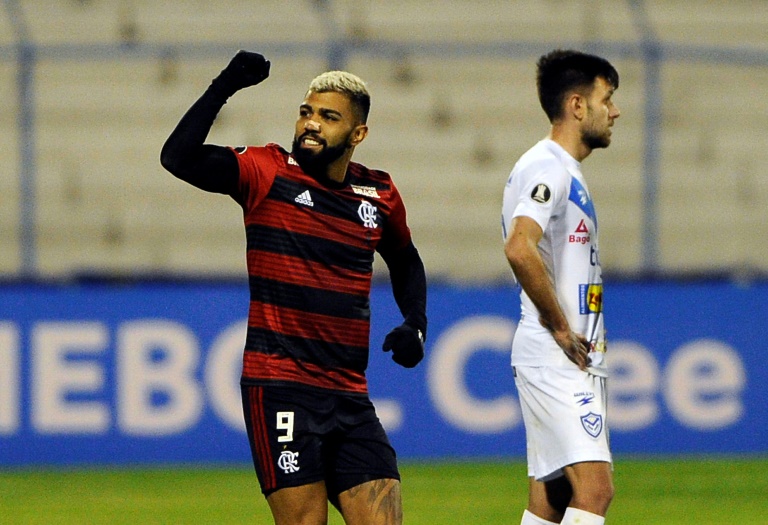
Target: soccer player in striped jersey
313,221
550,230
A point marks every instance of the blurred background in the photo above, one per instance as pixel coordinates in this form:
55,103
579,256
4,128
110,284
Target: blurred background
123,290
91,89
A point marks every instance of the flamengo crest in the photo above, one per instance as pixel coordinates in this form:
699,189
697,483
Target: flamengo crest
367,213
288,461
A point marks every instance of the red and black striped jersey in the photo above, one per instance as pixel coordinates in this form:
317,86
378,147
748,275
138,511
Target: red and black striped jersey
310,253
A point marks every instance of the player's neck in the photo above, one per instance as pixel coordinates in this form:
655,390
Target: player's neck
334,173
570,140
337,174
337,170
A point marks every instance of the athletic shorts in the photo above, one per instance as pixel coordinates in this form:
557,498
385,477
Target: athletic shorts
564,412
300,436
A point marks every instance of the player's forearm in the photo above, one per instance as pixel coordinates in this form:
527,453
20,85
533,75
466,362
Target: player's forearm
209,167
409,286
531,273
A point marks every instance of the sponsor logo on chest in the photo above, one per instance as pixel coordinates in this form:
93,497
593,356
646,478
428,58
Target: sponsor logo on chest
366,212
365,191
580,235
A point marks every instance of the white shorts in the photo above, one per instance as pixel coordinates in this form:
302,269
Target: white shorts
564,412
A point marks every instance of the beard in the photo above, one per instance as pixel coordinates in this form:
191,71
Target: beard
596,140
316,162
593,136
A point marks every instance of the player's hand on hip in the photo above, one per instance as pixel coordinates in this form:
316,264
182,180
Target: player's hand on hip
575,346
244,70
406,344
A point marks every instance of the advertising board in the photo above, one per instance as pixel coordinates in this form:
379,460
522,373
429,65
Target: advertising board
109,374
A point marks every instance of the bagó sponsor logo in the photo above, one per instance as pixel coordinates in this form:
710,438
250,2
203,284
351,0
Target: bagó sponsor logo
580,235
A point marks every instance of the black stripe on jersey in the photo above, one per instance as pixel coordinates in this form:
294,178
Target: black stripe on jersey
310,300
309,247
308,350
335,204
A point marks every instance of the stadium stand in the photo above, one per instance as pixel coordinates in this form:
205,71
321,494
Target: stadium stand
454,106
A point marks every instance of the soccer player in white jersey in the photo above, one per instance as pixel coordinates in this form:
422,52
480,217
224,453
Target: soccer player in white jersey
550,240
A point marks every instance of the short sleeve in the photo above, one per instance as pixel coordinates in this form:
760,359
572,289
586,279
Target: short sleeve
539,191
397,235
258,166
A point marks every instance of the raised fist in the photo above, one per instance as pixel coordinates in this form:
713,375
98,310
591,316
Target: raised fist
244,70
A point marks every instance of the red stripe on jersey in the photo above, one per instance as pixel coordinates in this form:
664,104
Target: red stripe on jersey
295,270
275,367
307,325
274,214
261,438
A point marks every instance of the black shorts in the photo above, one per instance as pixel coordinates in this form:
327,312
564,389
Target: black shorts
300,436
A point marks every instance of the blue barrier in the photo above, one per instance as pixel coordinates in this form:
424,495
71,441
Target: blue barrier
98,374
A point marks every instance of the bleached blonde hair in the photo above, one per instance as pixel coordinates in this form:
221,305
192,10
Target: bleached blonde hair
348,84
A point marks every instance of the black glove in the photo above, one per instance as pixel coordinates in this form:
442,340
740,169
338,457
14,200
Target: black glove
244,70
407,345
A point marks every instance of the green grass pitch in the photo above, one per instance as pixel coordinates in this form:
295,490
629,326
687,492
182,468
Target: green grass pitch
697,491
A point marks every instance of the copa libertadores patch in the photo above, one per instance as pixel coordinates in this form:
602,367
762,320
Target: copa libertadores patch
541,194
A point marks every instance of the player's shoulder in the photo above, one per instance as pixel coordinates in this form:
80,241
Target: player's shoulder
362,175
361,171
269,152
542,156
541,163
260,165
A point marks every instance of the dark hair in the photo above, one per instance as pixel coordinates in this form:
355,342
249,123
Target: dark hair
563,71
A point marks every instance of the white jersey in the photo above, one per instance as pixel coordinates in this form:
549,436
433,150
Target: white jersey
546,185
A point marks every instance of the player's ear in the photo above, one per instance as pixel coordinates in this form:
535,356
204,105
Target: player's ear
358,134
576,105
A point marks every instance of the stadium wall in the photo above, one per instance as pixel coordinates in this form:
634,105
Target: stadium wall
148,373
